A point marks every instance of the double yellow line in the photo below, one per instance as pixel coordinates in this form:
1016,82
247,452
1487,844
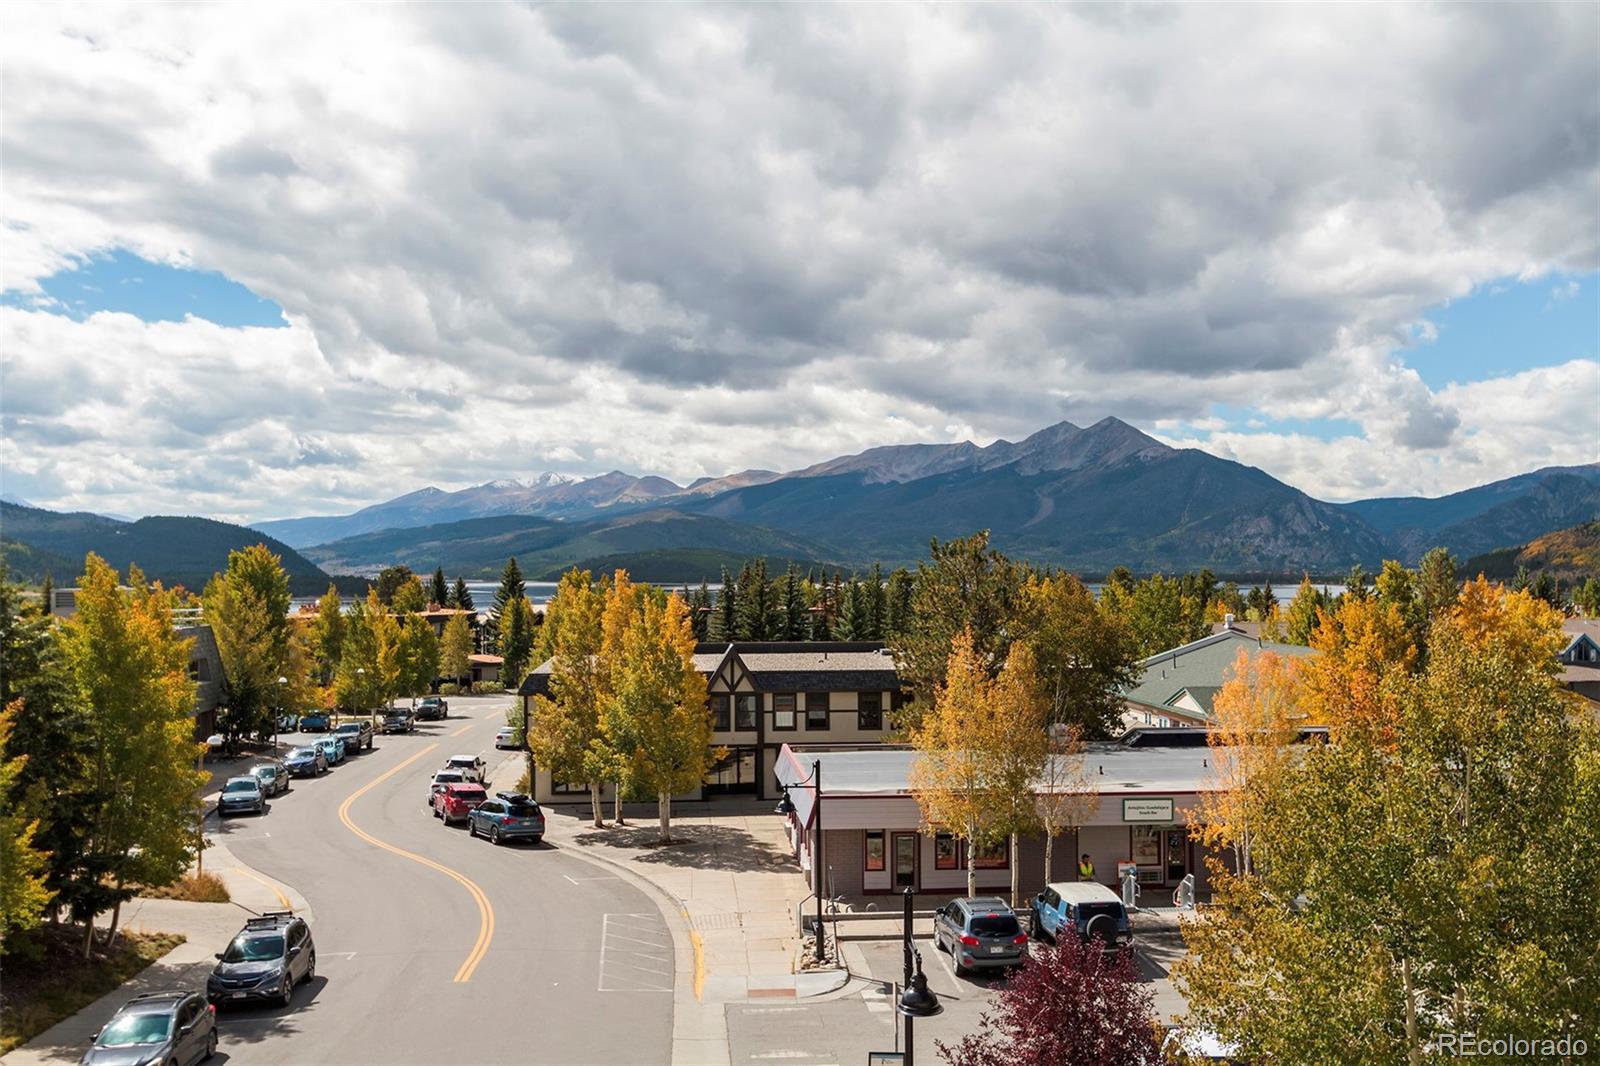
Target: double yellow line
485,911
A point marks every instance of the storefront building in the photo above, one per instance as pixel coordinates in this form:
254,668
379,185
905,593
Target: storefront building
1146,803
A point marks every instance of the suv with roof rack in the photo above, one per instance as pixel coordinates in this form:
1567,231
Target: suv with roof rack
267,958
981,933
173,1028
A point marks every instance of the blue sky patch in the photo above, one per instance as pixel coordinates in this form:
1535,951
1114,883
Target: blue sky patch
1508,326
154,292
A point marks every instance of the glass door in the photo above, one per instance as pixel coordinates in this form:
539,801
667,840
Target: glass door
1177,846
905,860
1147,853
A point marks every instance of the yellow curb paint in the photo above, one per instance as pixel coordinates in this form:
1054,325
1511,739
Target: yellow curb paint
283,901
485,911
699,959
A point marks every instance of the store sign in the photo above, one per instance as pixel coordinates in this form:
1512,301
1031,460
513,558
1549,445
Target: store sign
1147,810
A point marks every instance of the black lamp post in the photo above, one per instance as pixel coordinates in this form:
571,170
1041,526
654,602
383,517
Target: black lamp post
918,1000
786,808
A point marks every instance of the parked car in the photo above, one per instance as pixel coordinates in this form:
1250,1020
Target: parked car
508,737
315,722
433,708
332,749
267,958
455,803
356,735
241,794
215,743
1085,909
471,767
981,933
288,723
273,776
157,1027
507,816
399,720
306,762
441,779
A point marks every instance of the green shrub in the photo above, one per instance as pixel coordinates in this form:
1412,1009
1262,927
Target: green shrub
487,688
449,688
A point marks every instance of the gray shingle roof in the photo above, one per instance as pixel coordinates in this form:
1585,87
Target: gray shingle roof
1201,667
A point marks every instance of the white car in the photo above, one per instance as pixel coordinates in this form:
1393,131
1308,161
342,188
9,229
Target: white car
507,738
441,779
470,766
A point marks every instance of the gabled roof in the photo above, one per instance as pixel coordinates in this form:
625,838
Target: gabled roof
780,666
1201,667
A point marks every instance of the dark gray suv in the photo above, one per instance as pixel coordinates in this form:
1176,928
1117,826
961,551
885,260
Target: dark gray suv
980,933
175,1028
268,957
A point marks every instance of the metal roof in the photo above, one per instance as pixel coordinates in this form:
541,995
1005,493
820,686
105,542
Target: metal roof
1198,666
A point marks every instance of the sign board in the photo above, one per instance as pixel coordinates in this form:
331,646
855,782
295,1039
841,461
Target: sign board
1147,810
886,1058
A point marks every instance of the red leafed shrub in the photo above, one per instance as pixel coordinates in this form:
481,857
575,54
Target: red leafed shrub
1070,1003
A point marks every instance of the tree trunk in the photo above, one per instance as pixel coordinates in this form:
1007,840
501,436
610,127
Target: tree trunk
116,916
88,937
664,810
594,804
619,819
1413,1050
972,867
1049,851
1016,872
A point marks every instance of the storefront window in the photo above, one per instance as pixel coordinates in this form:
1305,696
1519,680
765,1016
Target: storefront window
990,856
1147,853
875,856
946,856
719,713
745,712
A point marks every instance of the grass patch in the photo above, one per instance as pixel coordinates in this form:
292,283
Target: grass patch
202,888
48,979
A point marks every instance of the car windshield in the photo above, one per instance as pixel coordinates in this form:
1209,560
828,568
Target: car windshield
471,795
302,753
995,925
522,810
239,786
266,771
142,1028
254,949
450,778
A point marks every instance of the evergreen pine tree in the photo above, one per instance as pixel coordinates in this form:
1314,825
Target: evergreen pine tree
1355,583
792,603
724,620
440,591
877,604
897,617
700,611
461,596
755,616
854,614
46,594
510,589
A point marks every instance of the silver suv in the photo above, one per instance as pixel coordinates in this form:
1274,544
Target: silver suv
980,933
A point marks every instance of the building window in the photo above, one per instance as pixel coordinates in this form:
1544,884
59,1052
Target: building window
869,710
719,713
783,711
991,856
744,711
946,855
816,710
567,788
875,856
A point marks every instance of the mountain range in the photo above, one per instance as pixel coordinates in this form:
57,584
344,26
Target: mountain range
1085,498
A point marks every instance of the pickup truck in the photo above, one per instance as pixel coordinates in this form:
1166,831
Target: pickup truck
356,735
399,720
433,708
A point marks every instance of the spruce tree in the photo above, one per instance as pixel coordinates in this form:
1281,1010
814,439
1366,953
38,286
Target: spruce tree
461,596
792,603
440,591
700,611
898,610
510,590
877,604
854,614
755,616
724,620
46,594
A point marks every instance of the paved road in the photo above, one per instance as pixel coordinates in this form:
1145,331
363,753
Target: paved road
434,947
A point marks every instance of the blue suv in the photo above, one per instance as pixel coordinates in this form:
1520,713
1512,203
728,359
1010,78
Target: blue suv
1085,909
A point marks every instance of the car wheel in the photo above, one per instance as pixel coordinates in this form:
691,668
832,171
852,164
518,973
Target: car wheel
494,835
211,1043
311,966
534,841
286,993
472,827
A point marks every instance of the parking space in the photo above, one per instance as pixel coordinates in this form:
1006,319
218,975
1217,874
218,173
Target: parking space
635,953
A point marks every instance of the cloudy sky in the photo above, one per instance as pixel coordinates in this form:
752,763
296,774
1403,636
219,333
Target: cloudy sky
262,262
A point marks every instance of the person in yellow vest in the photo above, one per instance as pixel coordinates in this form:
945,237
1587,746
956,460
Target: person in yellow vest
1086,869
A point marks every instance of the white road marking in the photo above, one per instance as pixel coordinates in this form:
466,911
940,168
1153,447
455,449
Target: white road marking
624,964
581,880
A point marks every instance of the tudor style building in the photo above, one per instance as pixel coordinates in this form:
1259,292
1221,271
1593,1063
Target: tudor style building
763,695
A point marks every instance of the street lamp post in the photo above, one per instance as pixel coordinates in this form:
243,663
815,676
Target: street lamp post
786,808
918,1000
361,685
277,718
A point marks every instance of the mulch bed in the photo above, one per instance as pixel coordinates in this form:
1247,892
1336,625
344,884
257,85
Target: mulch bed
47,978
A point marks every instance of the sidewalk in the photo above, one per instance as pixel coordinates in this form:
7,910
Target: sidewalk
207,926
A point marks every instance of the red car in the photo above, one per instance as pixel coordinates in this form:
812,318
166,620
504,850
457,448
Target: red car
455,802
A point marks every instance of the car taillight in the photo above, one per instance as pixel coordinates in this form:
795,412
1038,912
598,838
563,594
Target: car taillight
212,1007
1020,938
970,941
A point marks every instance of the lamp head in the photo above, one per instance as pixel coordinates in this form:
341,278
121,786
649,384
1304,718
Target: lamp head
918,1000
785,806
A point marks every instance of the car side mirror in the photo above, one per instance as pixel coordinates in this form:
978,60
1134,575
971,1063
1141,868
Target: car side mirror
217,955
95,1035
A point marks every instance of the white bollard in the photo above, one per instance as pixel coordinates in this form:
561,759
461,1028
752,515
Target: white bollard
1130,890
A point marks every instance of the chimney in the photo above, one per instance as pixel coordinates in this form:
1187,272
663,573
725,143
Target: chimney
1227,621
